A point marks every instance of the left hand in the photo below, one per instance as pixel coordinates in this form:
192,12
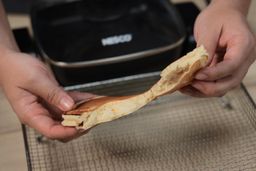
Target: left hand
35,95
230,43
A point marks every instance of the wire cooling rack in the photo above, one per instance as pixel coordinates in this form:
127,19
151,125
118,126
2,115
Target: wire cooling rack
175,132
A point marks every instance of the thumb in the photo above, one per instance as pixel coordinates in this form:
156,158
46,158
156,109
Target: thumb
52,93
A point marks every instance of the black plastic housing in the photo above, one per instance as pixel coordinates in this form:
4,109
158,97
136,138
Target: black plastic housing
69,33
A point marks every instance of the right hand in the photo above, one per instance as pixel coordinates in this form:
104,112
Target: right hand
224,31
35,95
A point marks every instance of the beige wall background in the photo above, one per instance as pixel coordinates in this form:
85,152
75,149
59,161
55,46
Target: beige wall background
11,142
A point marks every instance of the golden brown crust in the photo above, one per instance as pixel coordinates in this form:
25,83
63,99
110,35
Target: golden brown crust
94,104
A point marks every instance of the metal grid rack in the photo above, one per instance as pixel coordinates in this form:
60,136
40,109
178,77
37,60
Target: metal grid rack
175,132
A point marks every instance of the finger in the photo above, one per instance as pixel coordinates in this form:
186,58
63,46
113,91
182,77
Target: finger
55,112
214,61
37,117
220,87
218,56
191,91
237,53
215,89
33,114
41,121
220,70
51,93
78,96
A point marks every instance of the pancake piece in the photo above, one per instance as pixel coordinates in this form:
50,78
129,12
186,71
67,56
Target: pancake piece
104,109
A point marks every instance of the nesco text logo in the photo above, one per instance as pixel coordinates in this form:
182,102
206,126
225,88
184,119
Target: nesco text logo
114,40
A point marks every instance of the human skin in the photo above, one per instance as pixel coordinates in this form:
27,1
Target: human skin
32,91
39,101
223,29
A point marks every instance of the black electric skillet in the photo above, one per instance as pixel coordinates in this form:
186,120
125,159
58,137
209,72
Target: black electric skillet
90,40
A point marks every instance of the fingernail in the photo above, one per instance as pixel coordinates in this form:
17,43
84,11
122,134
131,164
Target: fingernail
201,76
66,104
197,86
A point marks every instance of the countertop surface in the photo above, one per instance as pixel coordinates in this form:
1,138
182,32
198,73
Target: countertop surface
11,142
